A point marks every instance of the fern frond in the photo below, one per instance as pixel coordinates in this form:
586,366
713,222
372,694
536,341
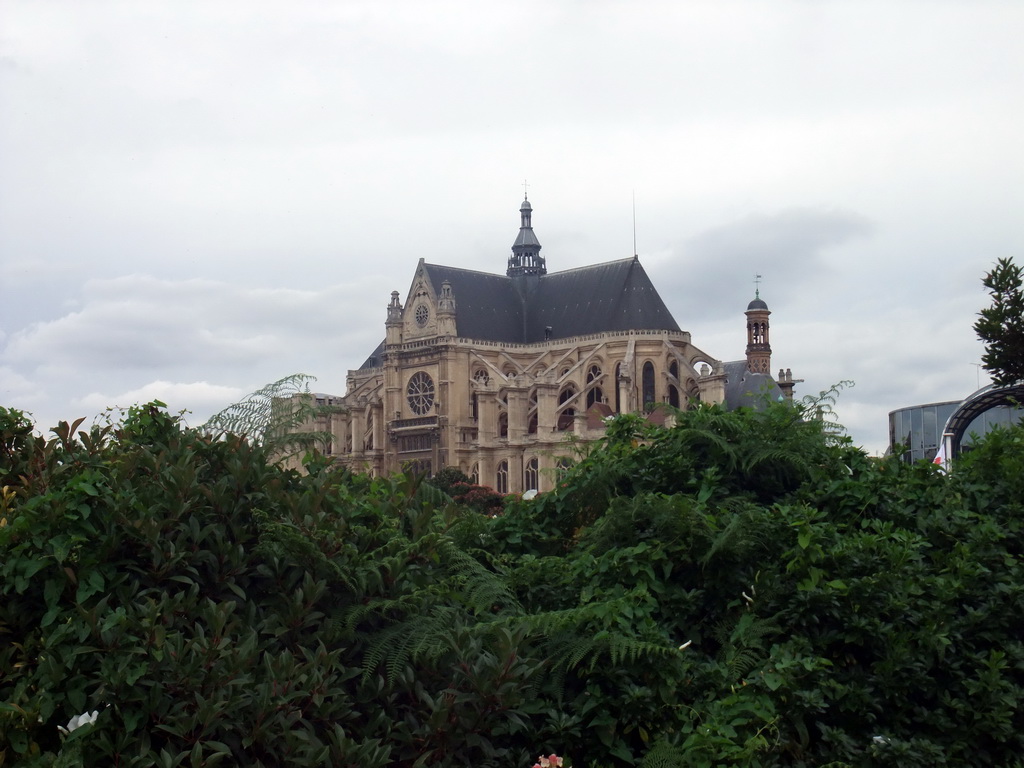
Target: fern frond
281,416
741,662
743,643
743,532
822,408
665,755
482,590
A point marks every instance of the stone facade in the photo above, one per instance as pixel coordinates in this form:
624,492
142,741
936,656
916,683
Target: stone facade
494,374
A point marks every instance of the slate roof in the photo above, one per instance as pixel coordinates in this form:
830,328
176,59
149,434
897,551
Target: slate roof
614,296
487,306
376,358
746,389
527,305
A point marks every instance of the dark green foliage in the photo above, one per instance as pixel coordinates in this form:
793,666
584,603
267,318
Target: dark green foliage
16,441
449,477
212,606
830,598
742,588
1001,325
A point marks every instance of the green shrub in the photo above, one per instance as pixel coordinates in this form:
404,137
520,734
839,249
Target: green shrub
739,589
212,606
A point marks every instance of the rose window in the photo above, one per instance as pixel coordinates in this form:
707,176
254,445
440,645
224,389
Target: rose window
422,315
421,393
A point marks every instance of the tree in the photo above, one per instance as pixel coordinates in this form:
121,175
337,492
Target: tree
1001,325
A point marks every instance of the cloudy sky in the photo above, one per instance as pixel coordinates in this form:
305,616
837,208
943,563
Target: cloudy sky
199,198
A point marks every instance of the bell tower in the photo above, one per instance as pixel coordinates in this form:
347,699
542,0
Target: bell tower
759,351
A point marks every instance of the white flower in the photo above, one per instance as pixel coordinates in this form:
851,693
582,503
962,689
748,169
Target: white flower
79,720
685,645
880,739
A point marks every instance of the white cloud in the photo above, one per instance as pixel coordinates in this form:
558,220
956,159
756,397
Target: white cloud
227,192
140,322
135,338
13,384
200,399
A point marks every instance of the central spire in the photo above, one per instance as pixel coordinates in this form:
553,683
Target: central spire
526,258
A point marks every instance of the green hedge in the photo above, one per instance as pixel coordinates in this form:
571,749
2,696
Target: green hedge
739,589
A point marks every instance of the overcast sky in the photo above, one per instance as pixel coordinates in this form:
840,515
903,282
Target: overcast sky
199,198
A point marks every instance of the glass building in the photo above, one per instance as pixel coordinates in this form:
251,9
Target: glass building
915,432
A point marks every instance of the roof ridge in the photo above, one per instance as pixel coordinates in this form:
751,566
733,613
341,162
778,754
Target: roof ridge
463,269
594,266
627,259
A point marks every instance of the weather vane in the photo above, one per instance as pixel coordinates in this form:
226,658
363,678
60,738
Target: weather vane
524,190
757,286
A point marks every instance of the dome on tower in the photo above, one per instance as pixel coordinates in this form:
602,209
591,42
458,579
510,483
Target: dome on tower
757,303
526,206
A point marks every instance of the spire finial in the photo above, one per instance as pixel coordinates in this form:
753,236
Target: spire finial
525,197
757,286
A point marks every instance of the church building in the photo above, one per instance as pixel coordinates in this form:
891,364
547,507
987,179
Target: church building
492,373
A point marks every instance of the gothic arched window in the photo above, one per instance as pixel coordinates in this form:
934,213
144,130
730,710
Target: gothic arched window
501,486
594,392
563,466
531,475
566,415
618,372
674,384
648,386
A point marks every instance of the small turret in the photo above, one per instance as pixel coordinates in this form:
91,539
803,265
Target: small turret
526,258
446,311
393,325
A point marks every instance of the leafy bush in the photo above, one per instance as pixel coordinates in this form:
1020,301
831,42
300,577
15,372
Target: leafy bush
739,589
212,606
